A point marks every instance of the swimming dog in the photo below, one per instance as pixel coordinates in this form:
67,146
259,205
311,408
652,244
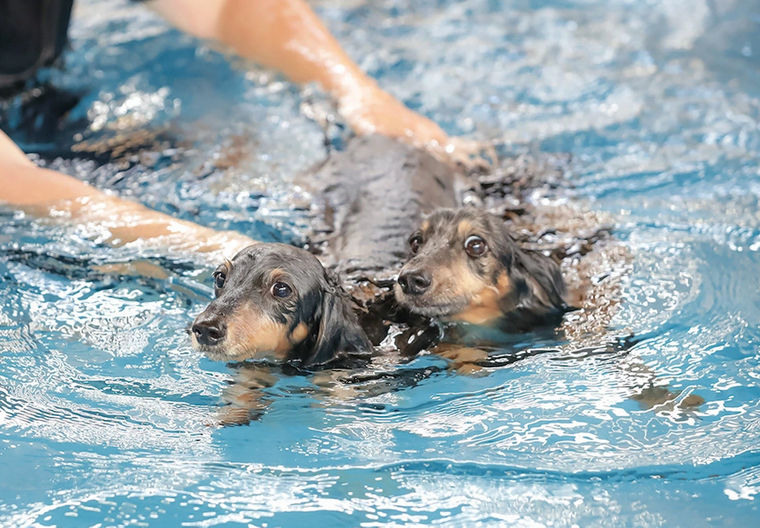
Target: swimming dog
465,266
277,302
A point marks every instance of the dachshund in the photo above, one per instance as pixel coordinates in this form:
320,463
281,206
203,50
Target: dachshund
277,302
465,266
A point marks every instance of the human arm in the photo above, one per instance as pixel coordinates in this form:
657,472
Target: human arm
53,194
288,36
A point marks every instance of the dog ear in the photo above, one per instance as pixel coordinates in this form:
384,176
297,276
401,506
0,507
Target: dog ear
538,293
545,295
339,329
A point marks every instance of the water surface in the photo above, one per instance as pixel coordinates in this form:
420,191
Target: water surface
104,407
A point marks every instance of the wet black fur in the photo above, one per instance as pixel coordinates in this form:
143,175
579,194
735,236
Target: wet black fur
318,301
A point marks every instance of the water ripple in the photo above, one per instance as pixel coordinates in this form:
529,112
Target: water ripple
105,409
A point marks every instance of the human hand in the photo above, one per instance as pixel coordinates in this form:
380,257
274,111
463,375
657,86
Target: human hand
371,110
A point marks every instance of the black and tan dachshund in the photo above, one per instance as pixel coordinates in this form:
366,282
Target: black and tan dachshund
465,266
277,302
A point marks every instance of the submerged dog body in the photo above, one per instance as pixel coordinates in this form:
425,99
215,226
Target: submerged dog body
372,195
369,198
276,301
465,266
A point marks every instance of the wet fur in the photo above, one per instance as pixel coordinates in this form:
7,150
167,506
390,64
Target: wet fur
508,286
313,326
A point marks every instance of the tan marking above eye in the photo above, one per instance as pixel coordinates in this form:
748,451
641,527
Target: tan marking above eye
425,225
464,228
276,274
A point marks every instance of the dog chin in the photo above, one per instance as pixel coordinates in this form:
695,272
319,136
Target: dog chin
216,353
420,307
232,354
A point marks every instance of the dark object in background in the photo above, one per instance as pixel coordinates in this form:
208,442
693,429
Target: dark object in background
33,34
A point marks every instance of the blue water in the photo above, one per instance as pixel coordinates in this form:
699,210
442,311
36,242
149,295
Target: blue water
105,408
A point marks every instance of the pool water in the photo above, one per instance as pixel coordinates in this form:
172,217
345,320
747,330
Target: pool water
105,408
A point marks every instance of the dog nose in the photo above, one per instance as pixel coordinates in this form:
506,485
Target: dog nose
414,282
209,331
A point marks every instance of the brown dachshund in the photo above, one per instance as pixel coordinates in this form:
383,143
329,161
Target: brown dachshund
277,302
465,266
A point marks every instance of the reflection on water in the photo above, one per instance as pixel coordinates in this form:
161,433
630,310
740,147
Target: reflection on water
105,409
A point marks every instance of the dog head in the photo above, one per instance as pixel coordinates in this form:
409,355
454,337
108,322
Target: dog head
275,301
464,266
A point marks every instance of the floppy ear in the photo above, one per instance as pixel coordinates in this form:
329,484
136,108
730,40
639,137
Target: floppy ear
538,289
339,329
545,295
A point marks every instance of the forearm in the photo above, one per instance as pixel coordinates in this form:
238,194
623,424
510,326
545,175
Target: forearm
10,154
288,36
281,34
47,193
22,183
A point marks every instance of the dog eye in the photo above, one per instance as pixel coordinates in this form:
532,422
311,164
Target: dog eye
475,246
282,290
219,278
415,242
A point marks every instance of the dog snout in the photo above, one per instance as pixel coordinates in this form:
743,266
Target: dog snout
414,282
209,331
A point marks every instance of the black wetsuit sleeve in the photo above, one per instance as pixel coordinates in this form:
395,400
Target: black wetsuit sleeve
33,34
